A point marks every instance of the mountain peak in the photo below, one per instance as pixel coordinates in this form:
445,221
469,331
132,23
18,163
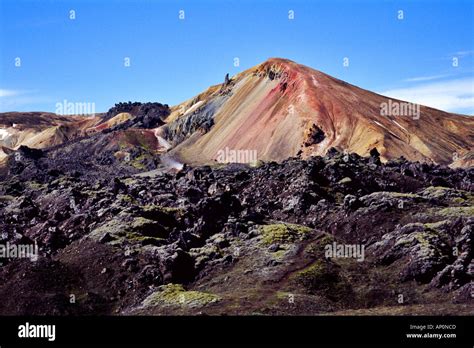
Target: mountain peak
282,66
287,65
282,109
278,60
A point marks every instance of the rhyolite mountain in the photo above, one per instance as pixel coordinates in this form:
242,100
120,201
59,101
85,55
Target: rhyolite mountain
279,109
283,109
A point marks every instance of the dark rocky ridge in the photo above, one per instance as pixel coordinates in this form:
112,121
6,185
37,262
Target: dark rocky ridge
201,119
239,240
147,115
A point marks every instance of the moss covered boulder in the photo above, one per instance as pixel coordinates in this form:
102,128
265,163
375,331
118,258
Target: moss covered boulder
283,233
324,277
148,228
176,295
166,216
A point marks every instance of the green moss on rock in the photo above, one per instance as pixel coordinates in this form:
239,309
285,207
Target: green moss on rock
320,274
283,233
324,277
140,223
156,209
6,198
456,211
176,295
36,185
133,237
125,198
439,192
113,227
316,248
436,226
148,227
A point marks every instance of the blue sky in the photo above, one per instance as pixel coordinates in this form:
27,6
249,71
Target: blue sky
171,60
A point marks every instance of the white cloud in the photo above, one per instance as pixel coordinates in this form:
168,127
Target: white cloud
452,95
9,93
425,78
13,100
463,53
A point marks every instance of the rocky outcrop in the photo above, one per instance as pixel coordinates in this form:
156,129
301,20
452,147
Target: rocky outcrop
198,120
146,115
217,233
